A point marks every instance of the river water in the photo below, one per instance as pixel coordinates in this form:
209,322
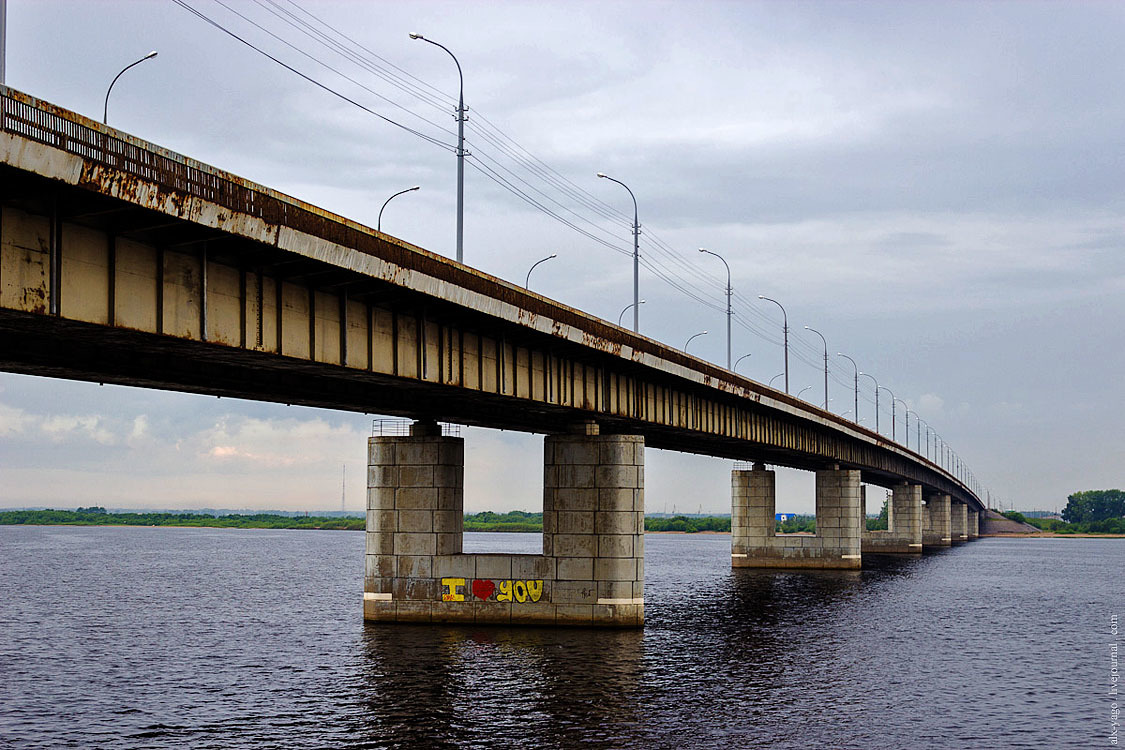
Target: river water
207,638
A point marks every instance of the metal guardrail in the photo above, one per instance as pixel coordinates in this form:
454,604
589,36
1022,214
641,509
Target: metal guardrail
401,428
39,122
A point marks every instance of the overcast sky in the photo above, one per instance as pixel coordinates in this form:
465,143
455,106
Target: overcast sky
937,187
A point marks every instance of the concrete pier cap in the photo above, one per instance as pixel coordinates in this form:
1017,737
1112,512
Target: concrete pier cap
591,571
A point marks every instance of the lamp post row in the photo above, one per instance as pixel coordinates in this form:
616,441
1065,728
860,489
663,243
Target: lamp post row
949,459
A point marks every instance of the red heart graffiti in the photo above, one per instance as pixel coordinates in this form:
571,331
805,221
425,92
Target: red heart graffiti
483,589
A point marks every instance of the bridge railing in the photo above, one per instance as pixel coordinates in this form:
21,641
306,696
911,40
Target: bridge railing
39,121
401,428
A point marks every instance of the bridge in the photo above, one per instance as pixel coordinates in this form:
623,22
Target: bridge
126,263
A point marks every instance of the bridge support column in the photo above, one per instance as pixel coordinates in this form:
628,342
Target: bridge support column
839,523
904,521
974,525
591,571
936,533
593,527
415,513
958,522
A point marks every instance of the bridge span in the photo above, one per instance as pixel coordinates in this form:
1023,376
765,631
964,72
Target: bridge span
123,262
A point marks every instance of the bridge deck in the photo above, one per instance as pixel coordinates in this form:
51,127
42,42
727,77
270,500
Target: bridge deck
123,262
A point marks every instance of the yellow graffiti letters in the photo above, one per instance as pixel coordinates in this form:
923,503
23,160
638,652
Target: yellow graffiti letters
451,594
456,589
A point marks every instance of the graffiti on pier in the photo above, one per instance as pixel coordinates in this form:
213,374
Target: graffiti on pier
456,590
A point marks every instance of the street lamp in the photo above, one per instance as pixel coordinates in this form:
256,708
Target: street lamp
818,333
906,415
744,356
803,390
785,332
893,399
856,368
527,280
379,223
775,377
460,149
876,382
105,110
631,304
691,337
928,431
917,428
703,250
636,254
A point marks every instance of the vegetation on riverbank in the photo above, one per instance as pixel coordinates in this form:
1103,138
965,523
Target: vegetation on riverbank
513,521
1055,526
95,516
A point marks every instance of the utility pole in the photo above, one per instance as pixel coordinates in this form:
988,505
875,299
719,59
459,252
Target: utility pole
3,37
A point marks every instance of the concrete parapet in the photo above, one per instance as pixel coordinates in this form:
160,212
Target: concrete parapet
936,531
904,520
754,544
591,571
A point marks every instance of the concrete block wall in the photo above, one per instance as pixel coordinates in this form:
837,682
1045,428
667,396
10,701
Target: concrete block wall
591,571
415,514
593,527
936,532
839,523
904,519
958,522
752,515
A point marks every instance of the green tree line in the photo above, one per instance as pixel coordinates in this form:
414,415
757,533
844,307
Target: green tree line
96,516
1055,526
1092,506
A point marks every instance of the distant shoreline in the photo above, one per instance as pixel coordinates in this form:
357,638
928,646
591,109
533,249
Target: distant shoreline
1052,535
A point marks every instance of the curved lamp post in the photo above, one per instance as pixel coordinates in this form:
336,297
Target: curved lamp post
775,377
785,332
631,304
460,149
379,223
744,356
105,110
704,250
906,416
803,390
876,382
917,429
693,337
856,368
527,280
818,333
893,399
636,253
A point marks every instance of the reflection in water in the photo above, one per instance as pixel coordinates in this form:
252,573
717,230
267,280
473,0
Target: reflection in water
531,687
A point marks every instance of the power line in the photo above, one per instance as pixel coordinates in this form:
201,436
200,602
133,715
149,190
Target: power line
312,80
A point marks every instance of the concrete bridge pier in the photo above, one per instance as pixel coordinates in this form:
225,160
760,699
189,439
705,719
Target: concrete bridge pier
839,523
591,571
958,522
904,521
974,525
936,532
